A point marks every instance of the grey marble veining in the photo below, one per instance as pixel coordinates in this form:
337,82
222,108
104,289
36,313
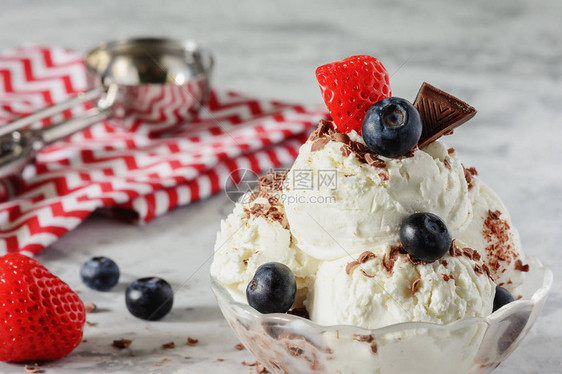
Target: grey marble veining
503,57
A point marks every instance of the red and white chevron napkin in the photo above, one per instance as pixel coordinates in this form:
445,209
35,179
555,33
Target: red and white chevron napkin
106,167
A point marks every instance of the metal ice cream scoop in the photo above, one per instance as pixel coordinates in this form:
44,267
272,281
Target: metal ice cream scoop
151,85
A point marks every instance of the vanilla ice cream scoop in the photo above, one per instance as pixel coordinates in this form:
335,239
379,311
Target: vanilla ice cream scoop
257,232
369,196
384,287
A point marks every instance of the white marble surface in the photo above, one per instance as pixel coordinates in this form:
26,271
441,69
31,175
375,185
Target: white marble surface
503,57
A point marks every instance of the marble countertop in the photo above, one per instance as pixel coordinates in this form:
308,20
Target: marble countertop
503,57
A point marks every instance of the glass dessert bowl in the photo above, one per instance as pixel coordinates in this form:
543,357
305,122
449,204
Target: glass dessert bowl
406,263
286,343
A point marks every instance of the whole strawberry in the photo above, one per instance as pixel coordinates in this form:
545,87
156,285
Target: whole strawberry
350,87
41,318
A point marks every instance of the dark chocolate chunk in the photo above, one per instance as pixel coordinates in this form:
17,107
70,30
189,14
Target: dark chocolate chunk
440,112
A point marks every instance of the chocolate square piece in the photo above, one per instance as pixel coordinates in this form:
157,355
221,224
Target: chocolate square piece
440,113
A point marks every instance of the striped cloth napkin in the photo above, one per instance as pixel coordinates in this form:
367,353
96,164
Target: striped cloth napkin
130,175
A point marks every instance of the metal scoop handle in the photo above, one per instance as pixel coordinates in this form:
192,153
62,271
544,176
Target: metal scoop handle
20,147
23,146
102,110
50,111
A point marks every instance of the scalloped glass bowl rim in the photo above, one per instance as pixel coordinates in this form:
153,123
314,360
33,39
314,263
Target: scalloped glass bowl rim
538,295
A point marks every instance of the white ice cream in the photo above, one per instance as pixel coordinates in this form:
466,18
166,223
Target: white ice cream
322,222
371,296
365,210
246,241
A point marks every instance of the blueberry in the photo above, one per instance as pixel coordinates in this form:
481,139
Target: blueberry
392,127
425,237
149,298
100,273
273,288
503,297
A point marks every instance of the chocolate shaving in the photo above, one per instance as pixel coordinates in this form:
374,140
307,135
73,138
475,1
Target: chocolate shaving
415,285
90,307
319,144
350,266
373,160
323,128
487,271
192,342
384,176
366,256
471,253
239,347
374,348
122,343
294,350
254,196
326,132
447,164
220,359
454,251
33,369
170,345
472,170
469,174
499,250
446,277
346,150
250,364
444,262
365,273
276,216
414,261
298,346
260,369
519,266
363,338
272,181
360,148
257,209
363,257
451,150
440,113
342,138
268,184
388,264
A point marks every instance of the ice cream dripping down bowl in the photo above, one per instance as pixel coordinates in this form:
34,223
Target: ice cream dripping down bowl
149,85
286,343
